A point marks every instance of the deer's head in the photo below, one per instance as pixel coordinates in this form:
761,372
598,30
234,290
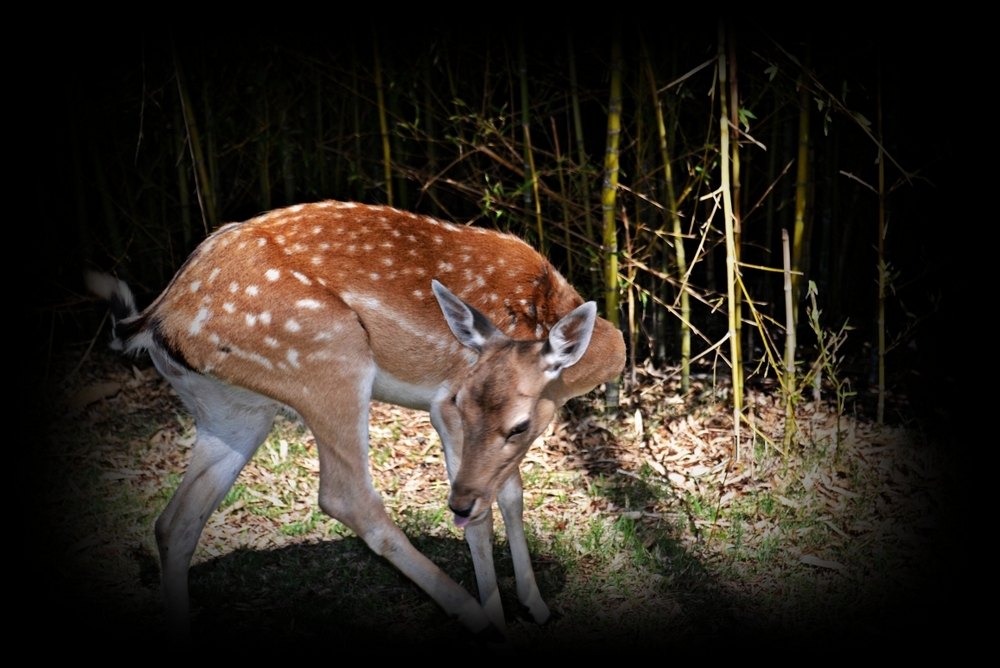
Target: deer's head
505,401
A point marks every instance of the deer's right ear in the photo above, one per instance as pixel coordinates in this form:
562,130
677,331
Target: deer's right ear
470,327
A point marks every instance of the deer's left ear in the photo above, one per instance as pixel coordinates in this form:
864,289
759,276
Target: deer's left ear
470,327
569,339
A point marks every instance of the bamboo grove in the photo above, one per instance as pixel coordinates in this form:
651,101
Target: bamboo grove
659,175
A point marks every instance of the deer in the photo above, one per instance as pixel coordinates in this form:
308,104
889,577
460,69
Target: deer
322,308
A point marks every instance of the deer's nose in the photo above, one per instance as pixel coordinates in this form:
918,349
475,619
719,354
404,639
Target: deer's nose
462,512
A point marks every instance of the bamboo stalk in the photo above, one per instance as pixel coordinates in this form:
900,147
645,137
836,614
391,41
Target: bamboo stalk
734,115
580,149
801,184
788,384
608,197
882,268
383,124
565,204
182,183
731,268
531,178
263,160
203,185
679,255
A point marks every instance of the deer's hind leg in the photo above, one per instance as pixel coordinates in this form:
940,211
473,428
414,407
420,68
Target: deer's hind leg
231,424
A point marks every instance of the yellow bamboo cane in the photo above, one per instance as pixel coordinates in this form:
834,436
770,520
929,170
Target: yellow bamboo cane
731,266
608,196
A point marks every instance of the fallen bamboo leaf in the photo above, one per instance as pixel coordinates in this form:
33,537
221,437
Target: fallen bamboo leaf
92,393
822,563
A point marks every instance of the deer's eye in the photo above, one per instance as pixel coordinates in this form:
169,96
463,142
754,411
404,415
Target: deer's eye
518,430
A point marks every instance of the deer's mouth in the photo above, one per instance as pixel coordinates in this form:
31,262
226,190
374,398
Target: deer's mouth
473,512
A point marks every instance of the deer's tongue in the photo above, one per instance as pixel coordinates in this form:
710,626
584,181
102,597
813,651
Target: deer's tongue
461,521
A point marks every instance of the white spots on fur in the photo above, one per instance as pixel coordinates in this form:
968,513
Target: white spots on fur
480,282
445,266
321,355
316,260
493,298
297,208
293,357
373,276
450,227
299,248
252,357
522,302
368,247
518,290
321,282
198,321
351,248
309,304
292,326
214,274
412,238
510,327
265,318
354,300
251,319
490,269
420,271
396,233
327,335
195,286
302,278
324,246
272,275
479,230
538,331
501,261
214,338
419,294
252,290
280,239
325,205
242,245
466,258
229,307
348,205
438,240
386,244
271,341
261,241
234,286
387,261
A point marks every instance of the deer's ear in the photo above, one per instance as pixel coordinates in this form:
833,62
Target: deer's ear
470,327
569,339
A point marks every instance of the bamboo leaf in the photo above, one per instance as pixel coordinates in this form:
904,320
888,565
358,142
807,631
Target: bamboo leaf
745,116
771,72
864,121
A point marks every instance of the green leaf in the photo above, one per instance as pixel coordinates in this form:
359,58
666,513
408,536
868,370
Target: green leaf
864,121
771,71
819,103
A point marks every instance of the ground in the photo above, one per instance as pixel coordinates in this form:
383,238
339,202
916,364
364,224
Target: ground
643,527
